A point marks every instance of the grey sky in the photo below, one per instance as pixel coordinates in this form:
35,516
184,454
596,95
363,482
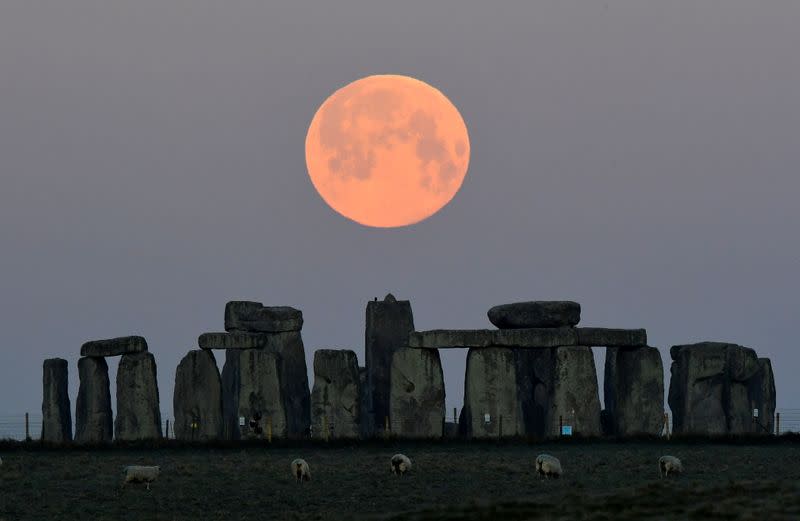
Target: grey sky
640,157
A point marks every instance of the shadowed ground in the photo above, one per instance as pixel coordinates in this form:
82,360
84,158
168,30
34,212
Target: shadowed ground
602,481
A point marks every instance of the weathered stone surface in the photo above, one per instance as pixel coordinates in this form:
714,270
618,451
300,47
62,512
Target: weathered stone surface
558,385
335,400
550,313
761,391
93,417
388,325
114,346
490,388
527,338
138,408
252,395
417,397
715,387
254,317
56,411
293,370
197,401
605,337
365,401
634,391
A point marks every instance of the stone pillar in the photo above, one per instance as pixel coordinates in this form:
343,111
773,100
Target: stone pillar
93,417
252,395
491,392
634,391
197,402
389,323
417,394
335,400
56,411
138,412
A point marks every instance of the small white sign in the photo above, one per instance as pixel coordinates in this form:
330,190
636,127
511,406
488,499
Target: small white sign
755,413
241,421
487,418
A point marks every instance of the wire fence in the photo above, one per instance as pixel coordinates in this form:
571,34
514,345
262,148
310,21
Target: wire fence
22,426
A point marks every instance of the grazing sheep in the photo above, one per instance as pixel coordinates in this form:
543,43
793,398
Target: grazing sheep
549,466
300,470
667,464
400,464
140,474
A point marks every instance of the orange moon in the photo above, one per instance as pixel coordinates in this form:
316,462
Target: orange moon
387,151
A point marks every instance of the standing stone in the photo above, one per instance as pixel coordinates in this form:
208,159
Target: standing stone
335,406
56,411
138,412
762,396
634,391
554,313
491,393
254,317
197,402
417,394
389,324
715,387
252,395
93,417
367,428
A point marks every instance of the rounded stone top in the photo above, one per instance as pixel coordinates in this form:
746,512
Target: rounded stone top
389,298
532,314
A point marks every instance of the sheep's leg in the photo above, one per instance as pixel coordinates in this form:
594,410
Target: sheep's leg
148,485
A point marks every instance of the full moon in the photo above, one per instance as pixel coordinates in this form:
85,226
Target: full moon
387,151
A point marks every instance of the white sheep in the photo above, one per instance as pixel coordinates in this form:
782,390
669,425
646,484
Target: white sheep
549,466
140,474
667,464
300,470
400,464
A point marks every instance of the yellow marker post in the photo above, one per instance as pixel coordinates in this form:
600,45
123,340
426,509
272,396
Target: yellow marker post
269,429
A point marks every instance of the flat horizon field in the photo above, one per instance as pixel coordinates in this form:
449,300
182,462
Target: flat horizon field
602,481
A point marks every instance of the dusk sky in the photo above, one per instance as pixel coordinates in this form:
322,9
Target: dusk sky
639,157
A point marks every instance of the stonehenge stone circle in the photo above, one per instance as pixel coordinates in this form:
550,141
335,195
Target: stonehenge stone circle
417,396
491,393
138,411
93,417
634,391
716,386
114,346
197,401
335,400
389,323
552,313
56,411
252,395
254,317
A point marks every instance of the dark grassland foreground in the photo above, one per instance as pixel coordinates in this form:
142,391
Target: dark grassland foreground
477,481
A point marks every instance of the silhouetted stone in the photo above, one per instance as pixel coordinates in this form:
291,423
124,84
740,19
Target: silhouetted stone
197,401
558,386
138,412
634,391
254,317
527,338
93,417
252,395
365,400
388,325
236,340
535,314
335,400
56,411
715,387
416,402
491,393
114,346
762,394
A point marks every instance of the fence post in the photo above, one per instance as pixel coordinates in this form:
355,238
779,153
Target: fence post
500,428
778,424
27,427
560,424
455,415
386,427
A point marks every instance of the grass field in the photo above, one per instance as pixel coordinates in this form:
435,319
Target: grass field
603,481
